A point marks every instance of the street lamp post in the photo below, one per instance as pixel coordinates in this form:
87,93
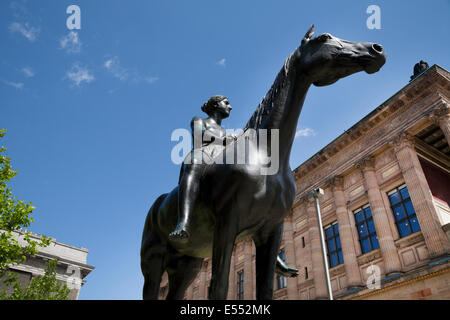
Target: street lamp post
315,196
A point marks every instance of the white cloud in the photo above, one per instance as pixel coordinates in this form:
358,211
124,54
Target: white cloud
305,132
17,85
28,32
28,72
151,80
70,42
114,67
222,62
78,74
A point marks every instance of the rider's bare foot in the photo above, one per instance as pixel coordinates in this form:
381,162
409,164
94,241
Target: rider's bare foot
180,234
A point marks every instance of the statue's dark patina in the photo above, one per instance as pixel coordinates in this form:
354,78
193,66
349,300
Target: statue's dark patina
236,201
419,68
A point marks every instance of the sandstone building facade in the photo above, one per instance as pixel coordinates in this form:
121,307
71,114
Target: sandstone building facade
72,267
385,208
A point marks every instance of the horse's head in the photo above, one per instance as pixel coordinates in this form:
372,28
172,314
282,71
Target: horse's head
326,59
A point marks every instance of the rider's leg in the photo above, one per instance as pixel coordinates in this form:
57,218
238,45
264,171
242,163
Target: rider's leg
187,195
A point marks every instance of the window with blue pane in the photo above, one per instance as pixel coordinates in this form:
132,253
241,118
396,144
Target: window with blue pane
240,285
366,229
333,245
403,210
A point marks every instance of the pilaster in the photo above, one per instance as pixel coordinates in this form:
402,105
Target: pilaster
388,249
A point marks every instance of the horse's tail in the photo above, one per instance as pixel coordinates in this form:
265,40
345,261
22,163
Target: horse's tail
150,221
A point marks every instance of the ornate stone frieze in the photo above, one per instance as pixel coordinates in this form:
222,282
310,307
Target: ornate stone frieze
401,141
366,163
440,114
336,183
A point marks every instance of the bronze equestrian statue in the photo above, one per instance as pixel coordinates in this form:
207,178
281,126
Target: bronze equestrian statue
235,201
212,139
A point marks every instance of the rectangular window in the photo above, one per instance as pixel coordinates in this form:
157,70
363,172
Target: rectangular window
333,242
403,210
281,281
240,285
303,242
306,273
366,229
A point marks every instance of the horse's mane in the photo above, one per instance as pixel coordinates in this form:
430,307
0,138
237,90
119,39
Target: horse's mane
265,107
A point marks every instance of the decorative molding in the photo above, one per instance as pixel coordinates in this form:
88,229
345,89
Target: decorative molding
340,269
440,113
336,183
358,190
327,208
306,284
390,171
401,141
369,257
409,240
301,224
443,111
401,283
366,163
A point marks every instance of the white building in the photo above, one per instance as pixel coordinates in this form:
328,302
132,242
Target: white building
72,267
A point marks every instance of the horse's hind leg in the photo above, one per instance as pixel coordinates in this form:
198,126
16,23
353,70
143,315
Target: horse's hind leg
182,270
153,264
267,247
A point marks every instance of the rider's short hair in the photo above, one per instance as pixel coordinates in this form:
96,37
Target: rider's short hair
212,102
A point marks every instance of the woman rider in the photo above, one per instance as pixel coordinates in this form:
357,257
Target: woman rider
211,135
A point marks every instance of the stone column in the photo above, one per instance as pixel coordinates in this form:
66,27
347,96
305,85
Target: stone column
248,272
292,291
385,238
202,294
232,279
421,197
345,231
316,253
441,116
253,269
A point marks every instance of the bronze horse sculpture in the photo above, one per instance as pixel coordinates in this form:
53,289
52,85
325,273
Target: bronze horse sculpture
236,201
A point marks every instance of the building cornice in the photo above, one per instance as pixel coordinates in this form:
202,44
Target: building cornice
401,284
430,83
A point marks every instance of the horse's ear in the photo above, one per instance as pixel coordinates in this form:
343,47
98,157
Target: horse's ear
308,34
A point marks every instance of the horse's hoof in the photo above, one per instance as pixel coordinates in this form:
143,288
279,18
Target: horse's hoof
181,236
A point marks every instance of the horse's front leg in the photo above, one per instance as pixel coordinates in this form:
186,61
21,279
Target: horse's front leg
267,247
224,237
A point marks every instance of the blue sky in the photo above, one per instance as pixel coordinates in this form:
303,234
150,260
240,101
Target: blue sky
90,113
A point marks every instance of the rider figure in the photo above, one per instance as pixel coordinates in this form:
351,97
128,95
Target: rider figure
212,136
